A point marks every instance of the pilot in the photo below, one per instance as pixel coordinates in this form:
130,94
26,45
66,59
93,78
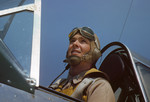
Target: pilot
84,81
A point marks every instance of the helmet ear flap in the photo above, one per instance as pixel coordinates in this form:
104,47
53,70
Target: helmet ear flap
96,51
96,54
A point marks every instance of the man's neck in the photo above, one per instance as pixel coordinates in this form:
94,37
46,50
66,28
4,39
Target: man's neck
75,70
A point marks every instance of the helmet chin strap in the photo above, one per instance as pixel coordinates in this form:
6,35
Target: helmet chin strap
75,60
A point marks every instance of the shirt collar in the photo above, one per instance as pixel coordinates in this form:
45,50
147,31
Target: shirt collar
78,78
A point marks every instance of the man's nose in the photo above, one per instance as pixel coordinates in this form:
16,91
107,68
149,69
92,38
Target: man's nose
76,43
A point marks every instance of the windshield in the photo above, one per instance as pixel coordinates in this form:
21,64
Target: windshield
144,72
18,38
16,32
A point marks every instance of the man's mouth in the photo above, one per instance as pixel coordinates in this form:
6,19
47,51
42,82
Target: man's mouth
75,52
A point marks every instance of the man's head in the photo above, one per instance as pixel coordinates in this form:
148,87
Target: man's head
84,47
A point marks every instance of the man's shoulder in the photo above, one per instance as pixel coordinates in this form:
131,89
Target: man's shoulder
95,73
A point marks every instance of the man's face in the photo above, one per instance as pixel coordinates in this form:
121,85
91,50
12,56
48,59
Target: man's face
78,46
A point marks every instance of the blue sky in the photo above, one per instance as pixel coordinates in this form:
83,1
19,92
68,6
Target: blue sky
127,21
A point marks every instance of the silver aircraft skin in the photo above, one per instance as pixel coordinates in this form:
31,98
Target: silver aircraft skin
19,81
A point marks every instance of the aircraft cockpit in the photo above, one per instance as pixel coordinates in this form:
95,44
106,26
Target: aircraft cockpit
20,34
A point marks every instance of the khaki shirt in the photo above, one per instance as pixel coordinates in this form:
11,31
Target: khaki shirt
99,91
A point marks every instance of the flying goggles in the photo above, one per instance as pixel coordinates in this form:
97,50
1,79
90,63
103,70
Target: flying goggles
85,31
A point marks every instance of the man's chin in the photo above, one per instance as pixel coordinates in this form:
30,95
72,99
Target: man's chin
76,54
74,60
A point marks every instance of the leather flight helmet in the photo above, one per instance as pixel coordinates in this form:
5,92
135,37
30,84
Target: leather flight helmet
94,53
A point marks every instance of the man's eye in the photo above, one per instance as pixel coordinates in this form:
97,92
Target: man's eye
83,41
71,41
